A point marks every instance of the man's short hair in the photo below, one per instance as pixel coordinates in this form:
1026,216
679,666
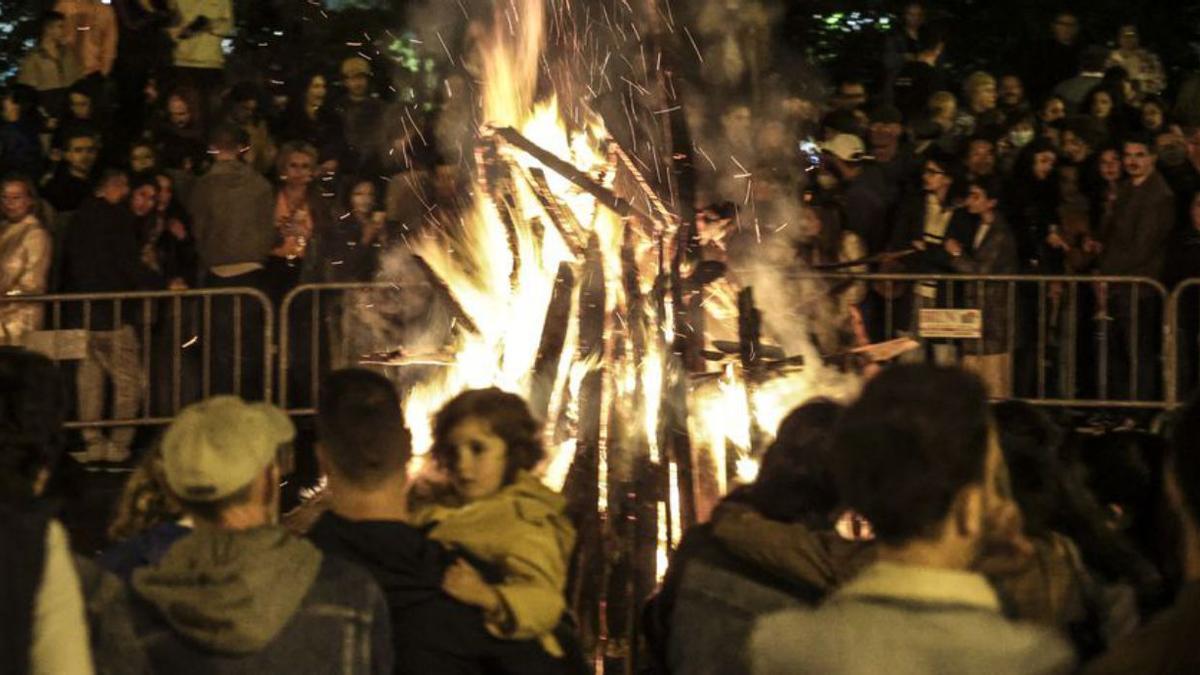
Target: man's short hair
77,132
992,186
227,138
1140,138
361,426
902,453
22,179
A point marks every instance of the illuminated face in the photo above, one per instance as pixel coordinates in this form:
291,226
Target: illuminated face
1074,147
1102,105
1043,164
1012,91
934,178
178,112
1054,110
1066,28
362,199
981,158
143,200
1110,166
300,168
984,97
80,105
1138,160
482,457
141,158
17,203
978,201
1152,117
357,84
12,111
316,91
81,155
115,189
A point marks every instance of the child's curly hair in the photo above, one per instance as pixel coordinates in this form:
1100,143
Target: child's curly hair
145,501
509,418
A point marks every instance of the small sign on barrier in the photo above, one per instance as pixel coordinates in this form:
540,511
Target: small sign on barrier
963,324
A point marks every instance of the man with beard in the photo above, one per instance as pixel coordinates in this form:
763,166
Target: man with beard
917,456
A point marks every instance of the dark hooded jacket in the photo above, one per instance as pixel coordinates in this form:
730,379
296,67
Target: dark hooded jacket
431,632
259,601
732,570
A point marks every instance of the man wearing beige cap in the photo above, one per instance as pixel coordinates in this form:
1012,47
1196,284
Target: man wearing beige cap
242,594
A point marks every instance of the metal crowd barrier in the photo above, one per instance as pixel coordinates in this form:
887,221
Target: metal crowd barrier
1086,341
146,355
331,325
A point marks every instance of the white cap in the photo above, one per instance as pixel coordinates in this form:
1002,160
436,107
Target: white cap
218,446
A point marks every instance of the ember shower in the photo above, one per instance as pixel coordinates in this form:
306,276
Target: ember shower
561,281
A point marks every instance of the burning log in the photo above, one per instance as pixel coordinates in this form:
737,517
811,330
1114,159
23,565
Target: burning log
582,485
554,337
562,219
602,194
459,315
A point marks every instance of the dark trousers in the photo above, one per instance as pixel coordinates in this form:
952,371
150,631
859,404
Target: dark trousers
1136,344
237,366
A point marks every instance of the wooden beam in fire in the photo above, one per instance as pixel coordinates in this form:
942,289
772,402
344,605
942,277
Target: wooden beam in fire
554,337
603,195
583,478
564,220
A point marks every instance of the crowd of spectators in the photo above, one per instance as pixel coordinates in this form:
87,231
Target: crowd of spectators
1067,158
917,528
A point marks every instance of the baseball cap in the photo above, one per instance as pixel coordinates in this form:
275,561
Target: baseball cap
846,147
355,65
218,446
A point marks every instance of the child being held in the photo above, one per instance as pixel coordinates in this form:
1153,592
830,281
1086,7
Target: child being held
487,442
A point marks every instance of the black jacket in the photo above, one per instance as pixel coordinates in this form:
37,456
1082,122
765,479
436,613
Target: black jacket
103,254
432,633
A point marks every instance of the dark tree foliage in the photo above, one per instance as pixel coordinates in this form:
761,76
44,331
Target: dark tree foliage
994,33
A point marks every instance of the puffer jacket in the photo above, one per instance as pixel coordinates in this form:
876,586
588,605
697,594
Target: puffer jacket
25,255
523,529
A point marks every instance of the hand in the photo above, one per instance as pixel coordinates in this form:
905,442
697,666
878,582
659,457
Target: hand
953,247
918,244
177,229
464,583
177,284
1055,240
1092,246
